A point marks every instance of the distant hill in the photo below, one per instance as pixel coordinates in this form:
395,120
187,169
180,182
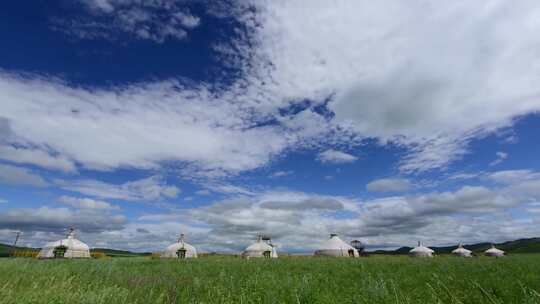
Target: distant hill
119,253
531,245
6,250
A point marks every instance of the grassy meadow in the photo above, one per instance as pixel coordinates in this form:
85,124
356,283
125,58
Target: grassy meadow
377,279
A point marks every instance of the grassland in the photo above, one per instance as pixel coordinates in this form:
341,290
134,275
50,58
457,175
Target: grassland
377,279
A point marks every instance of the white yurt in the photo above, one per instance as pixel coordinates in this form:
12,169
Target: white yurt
462,252
421,251
494,252
335,247
260,249
180,250
69,248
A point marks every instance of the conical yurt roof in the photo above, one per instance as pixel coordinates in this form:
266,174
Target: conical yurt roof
335,246
258,249
172,250
494,252
73,247
421,251
461,251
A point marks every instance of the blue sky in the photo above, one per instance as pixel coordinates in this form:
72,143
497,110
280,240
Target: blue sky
390,123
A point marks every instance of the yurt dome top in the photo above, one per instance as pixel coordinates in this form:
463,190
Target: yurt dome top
260,245
70,242
180,244
494,251
461,250
421,249
180,249
335,243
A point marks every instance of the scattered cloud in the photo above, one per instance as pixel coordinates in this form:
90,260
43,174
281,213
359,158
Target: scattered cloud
312,203
281,174
58,219
389,185
336,157
145,20
226,188
203,192
512,176
86,203
142,230
464,175
221,130
12,175
501,156
432,107
149,189
37,157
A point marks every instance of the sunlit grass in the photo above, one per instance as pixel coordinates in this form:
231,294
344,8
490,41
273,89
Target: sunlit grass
378,279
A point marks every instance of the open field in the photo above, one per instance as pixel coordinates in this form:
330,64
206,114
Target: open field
377,279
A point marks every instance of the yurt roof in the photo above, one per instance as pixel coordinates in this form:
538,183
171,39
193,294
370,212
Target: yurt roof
493,250
421,248
181,243
70,242
335,243
461,249
260,245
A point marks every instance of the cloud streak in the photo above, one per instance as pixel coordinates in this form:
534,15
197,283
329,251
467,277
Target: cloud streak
149,189
12,175
156,21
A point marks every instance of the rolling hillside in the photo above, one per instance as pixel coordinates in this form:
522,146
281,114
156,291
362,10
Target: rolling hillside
5,250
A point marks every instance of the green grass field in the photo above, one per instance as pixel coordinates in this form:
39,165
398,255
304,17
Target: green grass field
377,279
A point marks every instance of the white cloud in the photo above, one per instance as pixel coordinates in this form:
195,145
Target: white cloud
501,156
58,219
86,203
464,175
336,157
12,175
281,174
440,92
512,176
3,201
148,189
187,20
148,20
109,129
228,188
407,73
203,192
389,185
36,157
